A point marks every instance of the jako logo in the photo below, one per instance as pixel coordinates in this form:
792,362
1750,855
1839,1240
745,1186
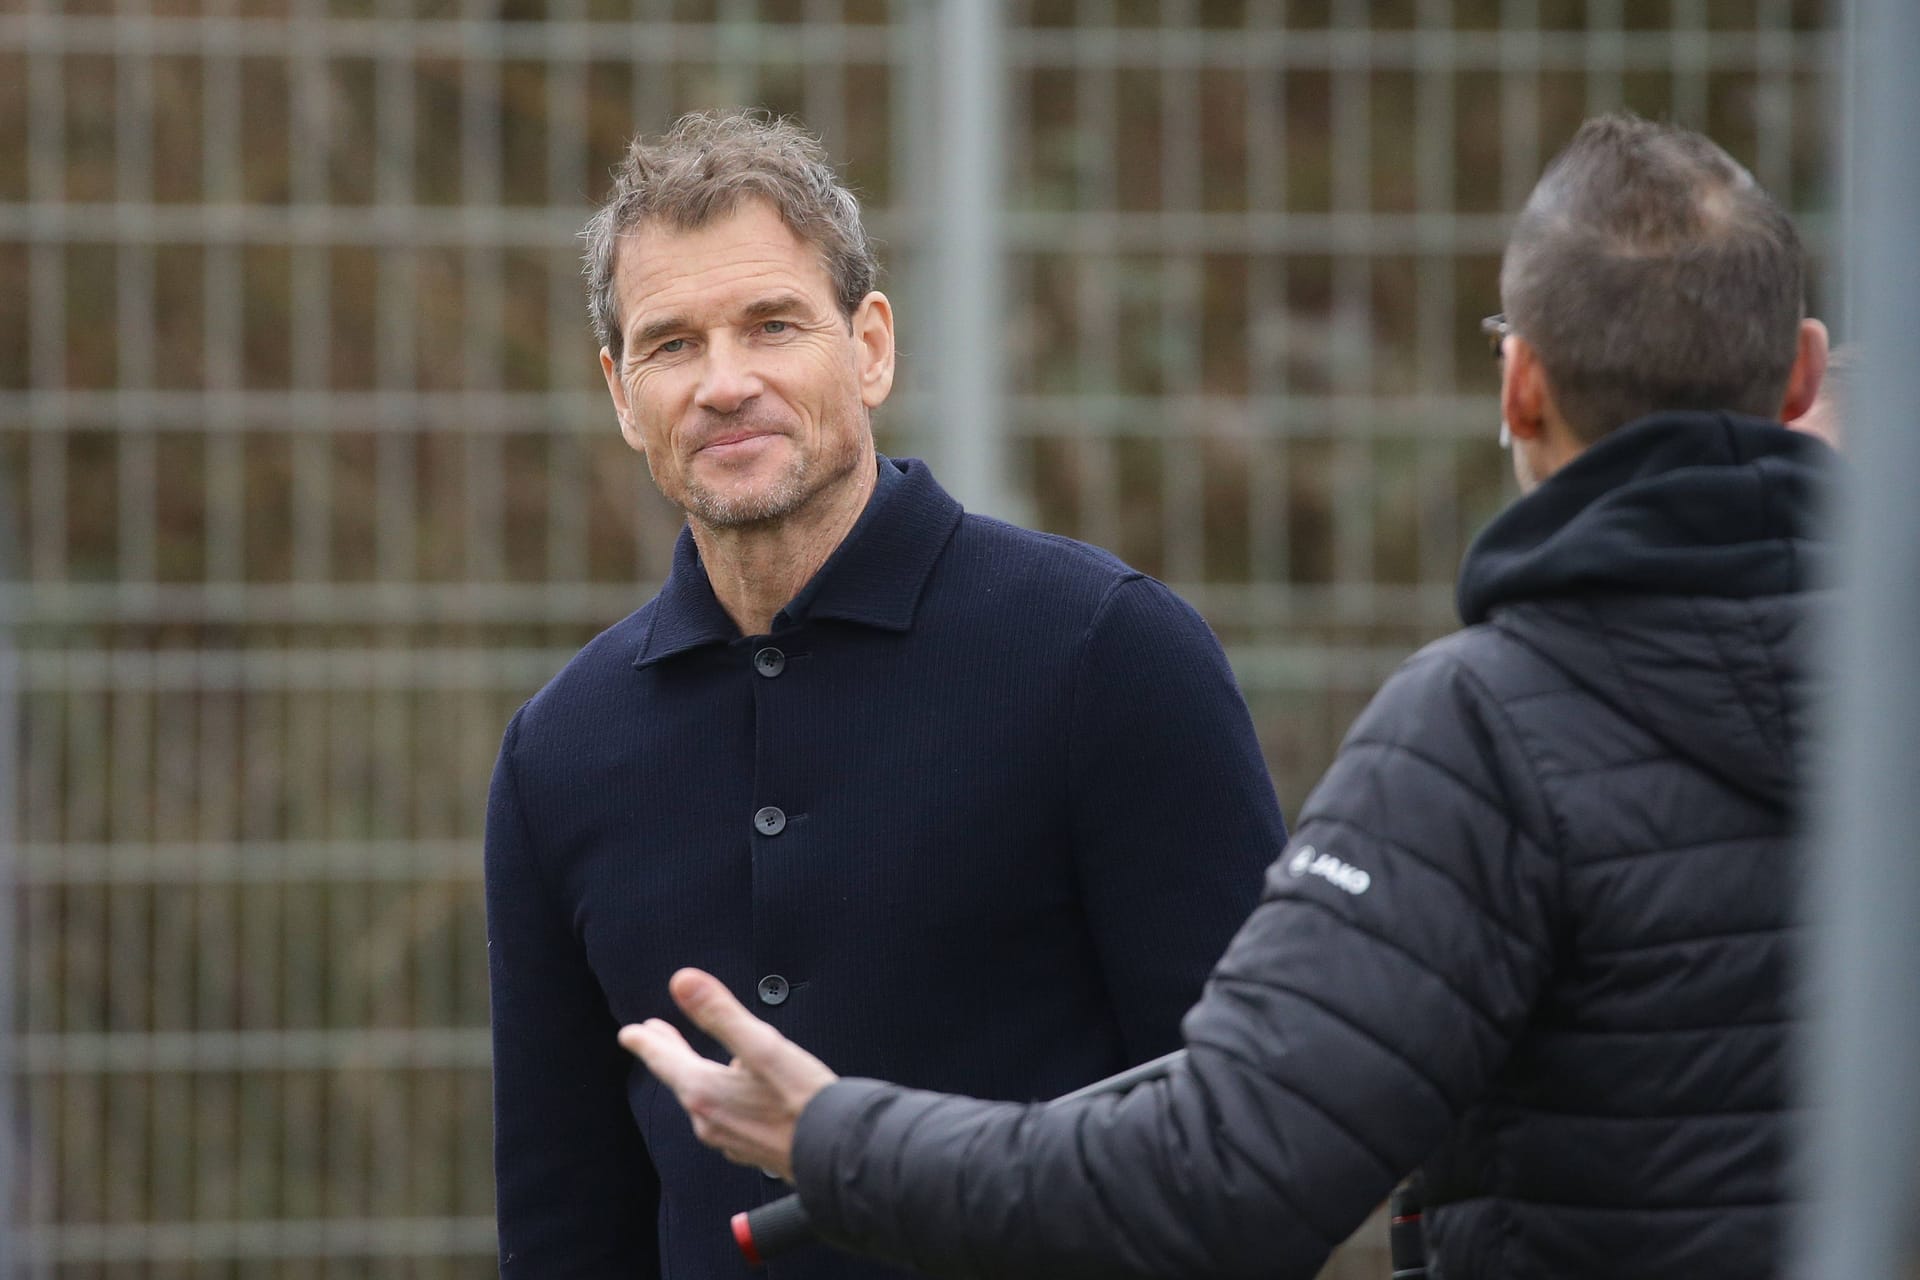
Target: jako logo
1309,861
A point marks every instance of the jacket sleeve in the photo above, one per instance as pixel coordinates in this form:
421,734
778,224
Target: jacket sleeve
576,1194
1173,811
1400,943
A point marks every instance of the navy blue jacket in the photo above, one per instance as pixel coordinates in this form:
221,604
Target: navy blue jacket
1534,933
978,814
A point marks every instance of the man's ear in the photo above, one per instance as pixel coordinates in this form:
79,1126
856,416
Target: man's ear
873,341
618,390
1524,395
1809,370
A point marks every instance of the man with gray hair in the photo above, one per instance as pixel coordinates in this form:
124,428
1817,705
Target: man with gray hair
957,803
1534,932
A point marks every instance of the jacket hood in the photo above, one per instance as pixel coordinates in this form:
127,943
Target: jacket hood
1665,569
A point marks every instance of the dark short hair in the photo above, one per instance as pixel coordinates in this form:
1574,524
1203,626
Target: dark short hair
700,171
1651,272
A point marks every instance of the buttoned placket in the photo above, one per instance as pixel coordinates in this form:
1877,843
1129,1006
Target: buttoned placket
778,820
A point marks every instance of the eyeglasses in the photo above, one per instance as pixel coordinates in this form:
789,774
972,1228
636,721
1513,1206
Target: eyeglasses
1496,328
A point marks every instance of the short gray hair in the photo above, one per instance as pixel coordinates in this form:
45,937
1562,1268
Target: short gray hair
698,172
1650,272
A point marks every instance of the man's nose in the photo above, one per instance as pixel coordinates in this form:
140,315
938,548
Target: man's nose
727,377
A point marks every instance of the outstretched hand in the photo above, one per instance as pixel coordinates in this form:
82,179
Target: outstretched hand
745,1110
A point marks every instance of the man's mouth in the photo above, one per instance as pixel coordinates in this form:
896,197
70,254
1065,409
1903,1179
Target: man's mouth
728,440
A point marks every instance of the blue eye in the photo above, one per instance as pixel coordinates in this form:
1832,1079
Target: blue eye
672,346
774,326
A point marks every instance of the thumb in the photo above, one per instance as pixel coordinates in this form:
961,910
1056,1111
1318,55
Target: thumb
706,1000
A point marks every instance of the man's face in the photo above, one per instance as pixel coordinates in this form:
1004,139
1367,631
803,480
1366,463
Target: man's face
740,379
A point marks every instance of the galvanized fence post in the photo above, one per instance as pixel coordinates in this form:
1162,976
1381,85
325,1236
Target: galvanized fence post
1863,1045
964,311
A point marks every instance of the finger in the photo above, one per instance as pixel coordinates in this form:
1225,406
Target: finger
631,1034
706,1000
666,1053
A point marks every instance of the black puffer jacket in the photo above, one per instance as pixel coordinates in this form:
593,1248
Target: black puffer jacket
1533,933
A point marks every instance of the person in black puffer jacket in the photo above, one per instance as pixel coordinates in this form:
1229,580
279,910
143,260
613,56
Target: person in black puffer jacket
1533,934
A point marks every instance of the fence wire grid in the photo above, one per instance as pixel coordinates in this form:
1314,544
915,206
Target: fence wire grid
313,480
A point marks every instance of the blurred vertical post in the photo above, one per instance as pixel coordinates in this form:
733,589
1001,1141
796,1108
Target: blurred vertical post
12,1125
1863,1056
961,151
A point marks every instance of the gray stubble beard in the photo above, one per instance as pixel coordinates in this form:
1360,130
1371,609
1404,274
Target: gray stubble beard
804,478
786,495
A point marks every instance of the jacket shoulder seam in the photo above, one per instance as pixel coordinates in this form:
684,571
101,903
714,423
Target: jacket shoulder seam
536,863
1080,648
1556,822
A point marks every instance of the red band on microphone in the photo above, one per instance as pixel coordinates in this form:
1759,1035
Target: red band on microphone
743,1236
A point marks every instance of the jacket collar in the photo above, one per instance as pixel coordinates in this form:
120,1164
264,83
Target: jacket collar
1678,504
875,577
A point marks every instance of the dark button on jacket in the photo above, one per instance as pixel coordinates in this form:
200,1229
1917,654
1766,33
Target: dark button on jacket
995,760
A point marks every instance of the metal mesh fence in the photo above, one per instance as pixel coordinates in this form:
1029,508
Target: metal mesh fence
315,480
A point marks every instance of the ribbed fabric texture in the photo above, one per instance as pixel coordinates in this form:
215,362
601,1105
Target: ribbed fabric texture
986,803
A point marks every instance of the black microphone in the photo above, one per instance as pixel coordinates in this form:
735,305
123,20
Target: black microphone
1406,1229
775,1228
781,1226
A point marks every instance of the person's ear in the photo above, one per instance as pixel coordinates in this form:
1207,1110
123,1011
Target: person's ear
1809,370
873,343
1524,395
621,409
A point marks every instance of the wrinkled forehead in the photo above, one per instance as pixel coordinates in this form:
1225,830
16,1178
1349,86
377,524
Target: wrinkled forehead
658,262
